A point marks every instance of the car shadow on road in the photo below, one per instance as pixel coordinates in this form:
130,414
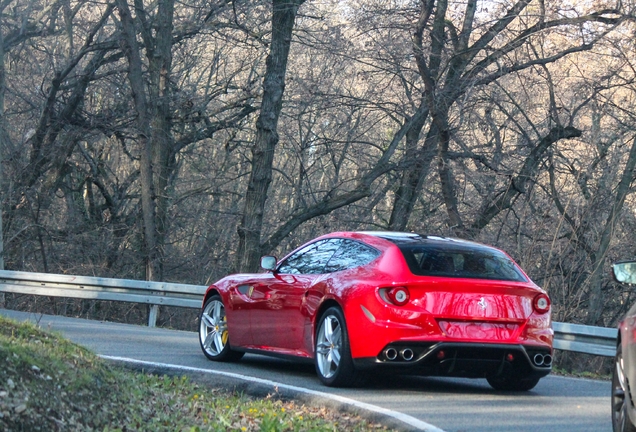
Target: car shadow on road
380,381
429,384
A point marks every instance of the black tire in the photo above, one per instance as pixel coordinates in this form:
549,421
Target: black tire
513,382
334,365
213,334
620,417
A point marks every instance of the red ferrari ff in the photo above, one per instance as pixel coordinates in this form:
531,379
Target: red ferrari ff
624,374
351,302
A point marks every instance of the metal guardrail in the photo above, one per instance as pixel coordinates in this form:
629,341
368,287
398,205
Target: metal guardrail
154,294
599,341
585,339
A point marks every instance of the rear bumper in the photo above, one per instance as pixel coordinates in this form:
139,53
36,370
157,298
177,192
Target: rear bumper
471,360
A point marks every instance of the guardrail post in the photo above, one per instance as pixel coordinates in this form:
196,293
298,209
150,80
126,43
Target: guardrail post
152,315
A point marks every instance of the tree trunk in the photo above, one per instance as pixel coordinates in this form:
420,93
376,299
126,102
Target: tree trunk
162,162
447,184
137,85
419,161
250,228
3,137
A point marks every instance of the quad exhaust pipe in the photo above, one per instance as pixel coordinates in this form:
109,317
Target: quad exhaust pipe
405,354
542,360
391,353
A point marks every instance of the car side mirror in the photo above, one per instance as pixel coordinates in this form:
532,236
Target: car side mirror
625,272
268,262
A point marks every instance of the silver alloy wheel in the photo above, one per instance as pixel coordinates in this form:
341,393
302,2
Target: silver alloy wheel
213,328
619,389
329,346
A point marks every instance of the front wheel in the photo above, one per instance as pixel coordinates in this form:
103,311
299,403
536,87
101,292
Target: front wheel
513,383
620,389
213,335
333,355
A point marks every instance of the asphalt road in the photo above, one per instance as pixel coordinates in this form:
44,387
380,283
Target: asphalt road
555,404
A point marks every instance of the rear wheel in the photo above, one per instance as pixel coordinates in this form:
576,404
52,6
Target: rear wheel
213,334
333,355
513,382
620,417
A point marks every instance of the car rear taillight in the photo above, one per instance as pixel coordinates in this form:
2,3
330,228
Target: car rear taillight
541,303
398,296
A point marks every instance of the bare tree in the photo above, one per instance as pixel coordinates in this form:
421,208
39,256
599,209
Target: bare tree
249,247
3,137
462,55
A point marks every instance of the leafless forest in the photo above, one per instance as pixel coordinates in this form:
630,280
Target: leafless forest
179,141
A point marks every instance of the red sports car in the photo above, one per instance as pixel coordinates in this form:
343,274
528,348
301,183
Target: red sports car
352,302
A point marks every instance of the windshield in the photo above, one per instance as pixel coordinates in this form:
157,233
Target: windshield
477,263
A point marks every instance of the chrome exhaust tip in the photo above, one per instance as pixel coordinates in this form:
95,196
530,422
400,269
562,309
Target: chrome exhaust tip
407,354
538,359
390,353
547,360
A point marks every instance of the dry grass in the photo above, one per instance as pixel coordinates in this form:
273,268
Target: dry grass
50,384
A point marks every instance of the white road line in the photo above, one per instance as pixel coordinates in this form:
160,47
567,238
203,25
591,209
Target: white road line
407,419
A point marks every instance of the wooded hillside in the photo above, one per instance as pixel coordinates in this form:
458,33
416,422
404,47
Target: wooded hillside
180,141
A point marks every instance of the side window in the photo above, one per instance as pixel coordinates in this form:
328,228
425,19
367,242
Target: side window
351,254
311,259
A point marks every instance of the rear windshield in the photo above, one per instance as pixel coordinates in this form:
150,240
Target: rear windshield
477,263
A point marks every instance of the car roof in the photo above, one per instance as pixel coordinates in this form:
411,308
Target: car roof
383,239
393,235
413,239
